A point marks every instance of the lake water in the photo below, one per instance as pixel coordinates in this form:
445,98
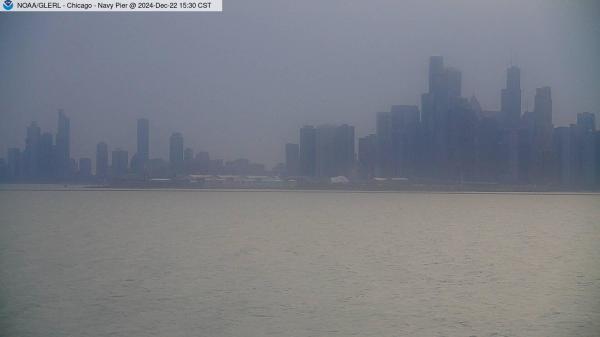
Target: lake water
258,263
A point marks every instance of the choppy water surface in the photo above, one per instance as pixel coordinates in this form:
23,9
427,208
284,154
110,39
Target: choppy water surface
177,263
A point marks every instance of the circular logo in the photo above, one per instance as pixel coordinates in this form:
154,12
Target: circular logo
8,5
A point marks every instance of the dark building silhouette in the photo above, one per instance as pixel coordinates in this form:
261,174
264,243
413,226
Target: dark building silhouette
334,150
542,155
188,160
120,162
397,141
586,135
292,159
510,107
510,101
46,157
176,152
102,160
63,146
442,116
449,140
188,154
367,156
14,163
308,151
3,170
143,140
141,157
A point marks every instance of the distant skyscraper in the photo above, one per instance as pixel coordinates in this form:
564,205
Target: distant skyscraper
397,141
442,112
510,120
511,98
176,151
102,160
335,150
292,159
188,154
436,74
563,138
46,162
542,147
453,79
14,163
586,135
367,156
120,162
543,106
308,151
63,145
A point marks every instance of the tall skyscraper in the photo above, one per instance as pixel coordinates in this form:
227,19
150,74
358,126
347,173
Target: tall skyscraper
453,79
101,160
120,162
188,154
367,156
63,146
563,138
510,121
586,134
543,106
176,151
397,141
292,159
541,163
14,163
441,107
334,150
46,162
308,151
511,98
436,74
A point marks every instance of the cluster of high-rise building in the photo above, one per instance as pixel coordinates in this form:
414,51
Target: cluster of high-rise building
46,158
451,139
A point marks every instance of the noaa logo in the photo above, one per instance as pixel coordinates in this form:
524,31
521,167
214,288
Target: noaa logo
8,5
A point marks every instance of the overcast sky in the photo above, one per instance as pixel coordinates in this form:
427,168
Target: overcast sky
240,83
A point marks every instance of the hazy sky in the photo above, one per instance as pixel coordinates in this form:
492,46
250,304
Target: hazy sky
240,83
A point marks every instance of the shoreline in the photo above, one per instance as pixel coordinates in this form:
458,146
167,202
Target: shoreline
100,188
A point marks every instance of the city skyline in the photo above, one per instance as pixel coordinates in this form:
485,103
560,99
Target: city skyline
255,77
142,141
134,144
448,137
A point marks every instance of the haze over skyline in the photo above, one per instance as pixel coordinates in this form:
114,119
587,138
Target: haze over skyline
240,83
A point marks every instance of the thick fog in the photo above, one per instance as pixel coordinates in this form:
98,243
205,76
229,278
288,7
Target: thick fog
242,82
